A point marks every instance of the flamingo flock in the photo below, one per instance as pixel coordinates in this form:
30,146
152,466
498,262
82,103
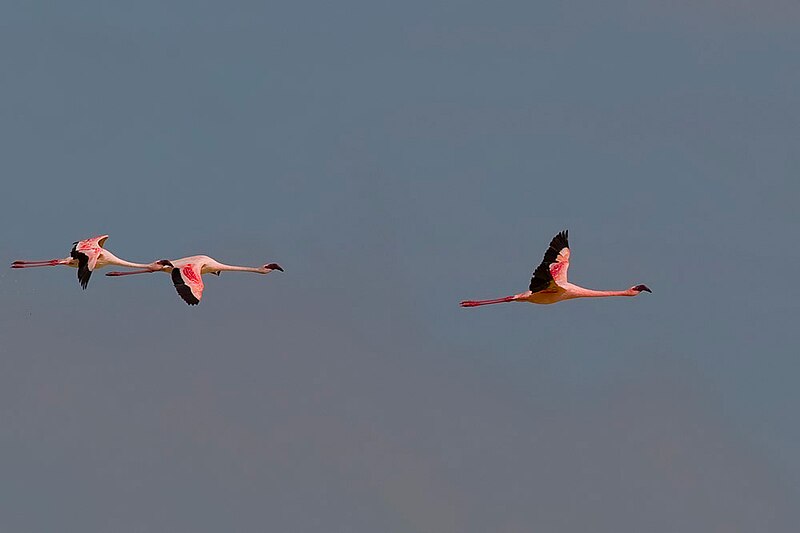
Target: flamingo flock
89,255
548,284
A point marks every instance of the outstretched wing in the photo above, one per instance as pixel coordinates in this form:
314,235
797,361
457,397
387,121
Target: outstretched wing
553,268
189,283
86,252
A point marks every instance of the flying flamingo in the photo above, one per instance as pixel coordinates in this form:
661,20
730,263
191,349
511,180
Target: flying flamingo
187,273
87,256
549,282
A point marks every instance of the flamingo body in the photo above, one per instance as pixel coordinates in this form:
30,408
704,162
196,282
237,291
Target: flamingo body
549,282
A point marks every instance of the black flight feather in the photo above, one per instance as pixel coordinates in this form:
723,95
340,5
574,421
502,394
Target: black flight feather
184,291
83,266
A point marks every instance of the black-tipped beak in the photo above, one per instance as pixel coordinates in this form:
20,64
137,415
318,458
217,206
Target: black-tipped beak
641,288
274,266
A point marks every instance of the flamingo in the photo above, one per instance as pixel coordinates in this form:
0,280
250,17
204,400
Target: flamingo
87,256
549,282
187,273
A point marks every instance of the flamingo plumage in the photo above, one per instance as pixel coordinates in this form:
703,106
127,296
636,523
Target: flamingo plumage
549,281
87,256
187,273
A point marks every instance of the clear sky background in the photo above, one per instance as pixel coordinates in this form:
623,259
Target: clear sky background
396,158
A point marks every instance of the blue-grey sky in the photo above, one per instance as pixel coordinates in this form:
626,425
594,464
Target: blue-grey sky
395,158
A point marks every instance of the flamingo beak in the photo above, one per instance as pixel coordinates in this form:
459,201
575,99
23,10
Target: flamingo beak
641,288
274,266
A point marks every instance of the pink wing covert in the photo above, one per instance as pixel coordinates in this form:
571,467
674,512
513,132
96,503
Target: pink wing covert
559,269
91,248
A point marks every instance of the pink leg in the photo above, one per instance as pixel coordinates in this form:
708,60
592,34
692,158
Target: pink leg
476,303
31,264
130,272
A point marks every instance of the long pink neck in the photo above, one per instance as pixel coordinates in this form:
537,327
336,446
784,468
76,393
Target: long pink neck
233,268
476,303
579,292
112,259
122,262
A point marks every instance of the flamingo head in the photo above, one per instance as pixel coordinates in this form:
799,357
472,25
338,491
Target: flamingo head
156,266
162,265
640,288
270,267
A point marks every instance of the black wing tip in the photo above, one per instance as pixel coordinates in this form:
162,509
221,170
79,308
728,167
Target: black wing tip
83,277
186,294
561,240
558,243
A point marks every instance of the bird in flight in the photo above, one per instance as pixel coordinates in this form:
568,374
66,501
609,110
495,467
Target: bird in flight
87,256
187,273
549,282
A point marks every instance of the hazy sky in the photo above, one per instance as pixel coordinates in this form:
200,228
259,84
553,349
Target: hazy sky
395,158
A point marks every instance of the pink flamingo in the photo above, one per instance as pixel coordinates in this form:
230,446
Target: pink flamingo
187,273
549,282
87,256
